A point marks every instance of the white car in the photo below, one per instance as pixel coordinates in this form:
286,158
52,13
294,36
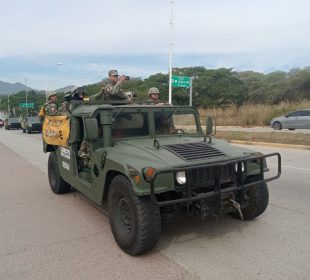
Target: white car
294,120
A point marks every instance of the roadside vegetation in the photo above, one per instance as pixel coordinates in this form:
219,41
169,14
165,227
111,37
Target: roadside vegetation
252,114
234,98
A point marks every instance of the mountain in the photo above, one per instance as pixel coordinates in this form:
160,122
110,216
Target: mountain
64,89
7,88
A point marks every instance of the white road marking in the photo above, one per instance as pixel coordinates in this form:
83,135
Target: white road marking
292,167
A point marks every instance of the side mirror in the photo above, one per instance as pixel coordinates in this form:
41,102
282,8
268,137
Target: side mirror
210,122
91,129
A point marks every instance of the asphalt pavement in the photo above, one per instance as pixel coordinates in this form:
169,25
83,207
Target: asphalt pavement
47,236
260,129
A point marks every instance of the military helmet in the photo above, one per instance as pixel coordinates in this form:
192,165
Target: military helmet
49,94
153,90
113,72
78,93
129,95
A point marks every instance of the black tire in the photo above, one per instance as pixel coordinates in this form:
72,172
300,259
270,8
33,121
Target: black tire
257,203
277,126
135,221
58,185
28,131
24,131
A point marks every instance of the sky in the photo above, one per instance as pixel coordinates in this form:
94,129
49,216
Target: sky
77,42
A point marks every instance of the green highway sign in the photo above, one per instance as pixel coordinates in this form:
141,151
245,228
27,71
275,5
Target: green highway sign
181,81
25,105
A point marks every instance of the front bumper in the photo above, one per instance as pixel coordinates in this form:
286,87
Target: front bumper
238,184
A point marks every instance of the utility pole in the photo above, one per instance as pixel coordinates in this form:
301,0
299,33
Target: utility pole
8,104
191,92
26,97
171,53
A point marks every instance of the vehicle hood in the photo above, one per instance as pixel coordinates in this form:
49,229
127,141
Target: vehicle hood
141,153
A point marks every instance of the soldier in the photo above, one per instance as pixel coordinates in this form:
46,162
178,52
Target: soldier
129,95
49,108
76,94
111,90
153,96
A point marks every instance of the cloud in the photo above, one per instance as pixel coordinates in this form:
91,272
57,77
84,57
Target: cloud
90,37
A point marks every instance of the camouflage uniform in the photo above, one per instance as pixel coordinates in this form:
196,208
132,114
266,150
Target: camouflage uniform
151,101
64,108
50,108
84,153
111,91
108,92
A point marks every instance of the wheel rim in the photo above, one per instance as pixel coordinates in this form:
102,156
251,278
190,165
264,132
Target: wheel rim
125,215
277,126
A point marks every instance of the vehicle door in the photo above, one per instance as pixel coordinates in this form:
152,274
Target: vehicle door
305,119
292,120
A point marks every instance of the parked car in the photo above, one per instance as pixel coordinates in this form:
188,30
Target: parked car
1,123
31,124
12,123
294,120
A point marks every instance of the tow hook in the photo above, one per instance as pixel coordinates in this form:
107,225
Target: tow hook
237,206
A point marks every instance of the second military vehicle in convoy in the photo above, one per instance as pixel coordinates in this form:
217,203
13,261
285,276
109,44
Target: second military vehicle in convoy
146,161
31,124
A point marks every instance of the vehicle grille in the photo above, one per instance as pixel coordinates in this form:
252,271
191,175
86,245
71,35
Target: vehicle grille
205,177
36,126
194,151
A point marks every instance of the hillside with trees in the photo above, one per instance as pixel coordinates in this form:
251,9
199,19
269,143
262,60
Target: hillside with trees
211,88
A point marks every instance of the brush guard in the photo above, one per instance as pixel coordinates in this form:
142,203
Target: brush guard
217,192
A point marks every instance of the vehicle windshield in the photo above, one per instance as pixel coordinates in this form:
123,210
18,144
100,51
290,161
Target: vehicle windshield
13,119
33,119
130,124
177,121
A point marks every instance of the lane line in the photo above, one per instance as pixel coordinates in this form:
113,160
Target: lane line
292,167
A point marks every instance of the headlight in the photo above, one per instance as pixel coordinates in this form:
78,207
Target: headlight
242,167
181,177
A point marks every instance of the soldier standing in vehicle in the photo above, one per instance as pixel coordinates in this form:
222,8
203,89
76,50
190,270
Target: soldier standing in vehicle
49,108
153,96
112,90
76,94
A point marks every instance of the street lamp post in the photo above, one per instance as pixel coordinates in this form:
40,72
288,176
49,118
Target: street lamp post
45,71
8,104
26,97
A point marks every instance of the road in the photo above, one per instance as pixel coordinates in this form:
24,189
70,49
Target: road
45,236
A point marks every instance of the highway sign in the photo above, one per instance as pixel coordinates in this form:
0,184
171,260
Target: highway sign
181,81
25,105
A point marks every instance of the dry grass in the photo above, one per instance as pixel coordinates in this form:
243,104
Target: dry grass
251,115
269,137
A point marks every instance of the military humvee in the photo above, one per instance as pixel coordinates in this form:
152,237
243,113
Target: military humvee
12,123
31,124
147,161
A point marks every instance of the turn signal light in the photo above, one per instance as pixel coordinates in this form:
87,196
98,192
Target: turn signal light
149,173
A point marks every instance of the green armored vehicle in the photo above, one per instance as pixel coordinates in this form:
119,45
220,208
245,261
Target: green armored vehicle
146,162
31,124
